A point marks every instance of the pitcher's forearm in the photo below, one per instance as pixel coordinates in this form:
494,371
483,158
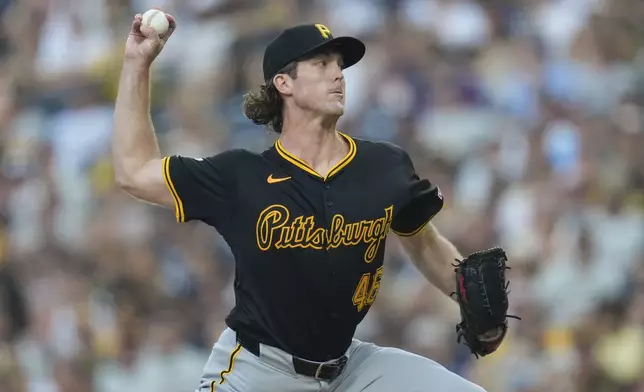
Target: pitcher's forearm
433,255
134,142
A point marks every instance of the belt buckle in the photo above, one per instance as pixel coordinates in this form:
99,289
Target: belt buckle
336,364
318,370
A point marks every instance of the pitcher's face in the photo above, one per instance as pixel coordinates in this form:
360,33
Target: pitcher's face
319,85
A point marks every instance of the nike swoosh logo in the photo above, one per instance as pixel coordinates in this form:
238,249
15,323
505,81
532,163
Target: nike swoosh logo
272,180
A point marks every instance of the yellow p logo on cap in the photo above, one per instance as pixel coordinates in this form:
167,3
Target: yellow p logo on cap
323,30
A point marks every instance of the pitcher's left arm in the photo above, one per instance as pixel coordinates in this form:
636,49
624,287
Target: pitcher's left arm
477,282
434,256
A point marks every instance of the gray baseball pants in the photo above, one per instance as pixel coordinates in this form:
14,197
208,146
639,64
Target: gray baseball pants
370,368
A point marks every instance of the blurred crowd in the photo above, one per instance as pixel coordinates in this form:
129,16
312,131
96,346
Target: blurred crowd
527,113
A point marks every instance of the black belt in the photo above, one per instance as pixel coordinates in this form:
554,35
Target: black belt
326,371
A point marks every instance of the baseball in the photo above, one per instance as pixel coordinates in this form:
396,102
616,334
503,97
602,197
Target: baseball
156,19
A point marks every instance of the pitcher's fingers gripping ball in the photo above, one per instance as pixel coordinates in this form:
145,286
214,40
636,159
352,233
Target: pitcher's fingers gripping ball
144,42
153,24
156,19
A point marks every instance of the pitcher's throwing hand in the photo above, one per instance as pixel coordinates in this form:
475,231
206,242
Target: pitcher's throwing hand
144,43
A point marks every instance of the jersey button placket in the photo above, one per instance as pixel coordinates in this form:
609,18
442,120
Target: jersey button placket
327,201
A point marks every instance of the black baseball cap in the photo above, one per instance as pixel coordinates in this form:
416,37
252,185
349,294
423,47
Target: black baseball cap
298,41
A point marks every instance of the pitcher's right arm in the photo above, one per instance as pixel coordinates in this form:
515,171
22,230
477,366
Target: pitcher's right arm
198,188
137,161
135,150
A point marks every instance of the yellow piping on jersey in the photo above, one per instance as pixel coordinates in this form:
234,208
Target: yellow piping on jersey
178,204
415,231
307,168
350,155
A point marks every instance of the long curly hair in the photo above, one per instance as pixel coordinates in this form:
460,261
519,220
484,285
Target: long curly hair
263,105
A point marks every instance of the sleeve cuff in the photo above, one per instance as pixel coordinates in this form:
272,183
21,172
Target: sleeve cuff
416,231
178,204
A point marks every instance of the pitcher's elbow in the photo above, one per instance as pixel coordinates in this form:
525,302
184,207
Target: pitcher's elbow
124,183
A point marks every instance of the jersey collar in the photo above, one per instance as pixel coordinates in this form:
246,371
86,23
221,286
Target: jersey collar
307,168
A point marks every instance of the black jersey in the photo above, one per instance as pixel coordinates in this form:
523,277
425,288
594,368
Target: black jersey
308,249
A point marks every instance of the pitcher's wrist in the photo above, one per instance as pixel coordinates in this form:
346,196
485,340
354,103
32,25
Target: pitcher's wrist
139,65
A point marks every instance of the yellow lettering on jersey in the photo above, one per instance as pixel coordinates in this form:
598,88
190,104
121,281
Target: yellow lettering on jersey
361,292
363,296
273,216
274,229
323,30
375,286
